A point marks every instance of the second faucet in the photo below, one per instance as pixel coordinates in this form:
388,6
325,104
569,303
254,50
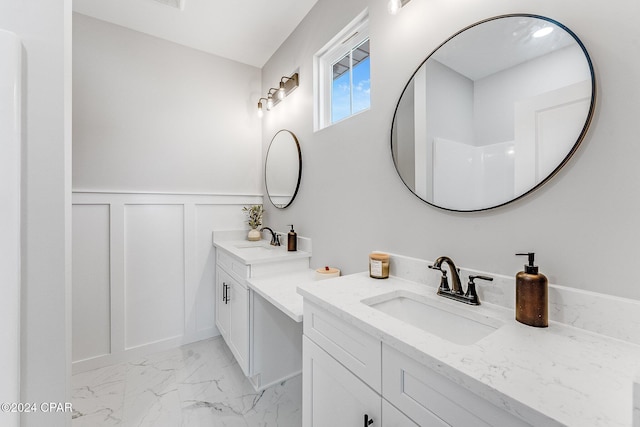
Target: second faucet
275,237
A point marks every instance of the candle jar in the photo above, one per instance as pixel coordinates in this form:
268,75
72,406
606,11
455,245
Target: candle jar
379,265
327,273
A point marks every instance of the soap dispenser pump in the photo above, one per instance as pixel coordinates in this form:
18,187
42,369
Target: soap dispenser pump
292,240
532,301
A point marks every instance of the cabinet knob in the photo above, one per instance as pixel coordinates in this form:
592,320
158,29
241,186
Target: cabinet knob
367,421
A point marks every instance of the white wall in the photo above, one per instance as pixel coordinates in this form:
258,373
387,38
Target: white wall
167,148
10,173
582,224
450,110
45,30
151,115
404,154
495,95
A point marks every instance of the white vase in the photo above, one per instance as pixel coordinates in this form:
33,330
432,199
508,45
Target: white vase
254,235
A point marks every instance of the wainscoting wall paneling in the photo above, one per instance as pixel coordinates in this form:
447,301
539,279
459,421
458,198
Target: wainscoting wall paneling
144,270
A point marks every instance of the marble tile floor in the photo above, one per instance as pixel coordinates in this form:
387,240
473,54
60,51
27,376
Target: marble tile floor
198,384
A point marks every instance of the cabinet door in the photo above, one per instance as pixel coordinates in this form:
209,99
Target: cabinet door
238,302
332,395
223,281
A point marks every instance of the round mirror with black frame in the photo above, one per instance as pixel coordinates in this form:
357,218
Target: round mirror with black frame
493,113
283,168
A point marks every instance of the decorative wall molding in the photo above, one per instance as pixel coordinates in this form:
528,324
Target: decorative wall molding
144,269
88,197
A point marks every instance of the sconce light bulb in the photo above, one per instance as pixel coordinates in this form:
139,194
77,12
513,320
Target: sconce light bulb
394,6
281,91
269,102
260,112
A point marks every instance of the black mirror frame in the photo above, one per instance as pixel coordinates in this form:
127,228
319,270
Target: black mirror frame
579,140
295,139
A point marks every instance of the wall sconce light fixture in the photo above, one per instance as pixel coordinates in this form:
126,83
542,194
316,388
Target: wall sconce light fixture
270,100
395,5
286,86
260,110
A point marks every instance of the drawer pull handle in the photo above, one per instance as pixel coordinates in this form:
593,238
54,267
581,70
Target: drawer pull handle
367,421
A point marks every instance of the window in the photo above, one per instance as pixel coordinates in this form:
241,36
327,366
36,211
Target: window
350,84
342,75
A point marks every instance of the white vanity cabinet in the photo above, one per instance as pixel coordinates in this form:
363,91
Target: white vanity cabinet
266,342
334,396
232,316
348,373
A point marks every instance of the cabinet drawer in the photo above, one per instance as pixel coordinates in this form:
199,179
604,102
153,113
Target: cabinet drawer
233,266
422,393
356,350
391,417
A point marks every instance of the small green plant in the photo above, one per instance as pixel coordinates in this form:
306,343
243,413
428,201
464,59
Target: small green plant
254,213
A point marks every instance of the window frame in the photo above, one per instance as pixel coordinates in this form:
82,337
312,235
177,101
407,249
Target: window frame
347,40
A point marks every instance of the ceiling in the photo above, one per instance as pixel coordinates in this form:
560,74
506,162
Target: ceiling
248,31
500,44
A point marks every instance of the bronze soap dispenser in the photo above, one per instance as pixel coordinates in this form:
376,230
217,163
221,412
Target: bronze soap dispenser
292,240
532,295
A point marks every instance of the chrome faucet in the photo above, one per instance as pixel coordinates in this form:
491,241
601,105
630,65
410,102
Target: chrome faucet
455,292
275,237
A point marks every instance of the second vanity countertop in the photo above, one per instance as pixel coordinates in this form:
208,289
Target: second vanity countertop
280,273
259,252
280,290
552,376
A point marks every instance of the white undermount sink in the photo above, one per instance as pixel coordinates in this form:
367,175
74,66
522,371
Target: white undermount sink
456,324
255,247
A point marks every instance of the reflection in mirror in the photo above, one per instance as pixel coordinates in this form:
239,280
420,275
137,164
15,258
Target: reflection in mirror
493,113
283,169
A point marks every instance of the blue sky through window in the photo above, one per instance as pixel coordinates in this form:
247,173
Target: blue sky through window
361,86
341,94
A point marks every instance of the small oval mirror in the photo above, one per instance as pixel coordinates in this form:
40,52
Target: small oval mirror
493,113
283,169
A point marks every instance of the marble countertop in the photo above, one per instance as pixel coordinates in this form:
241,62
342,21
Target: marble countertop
259,252
280,290
552,376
